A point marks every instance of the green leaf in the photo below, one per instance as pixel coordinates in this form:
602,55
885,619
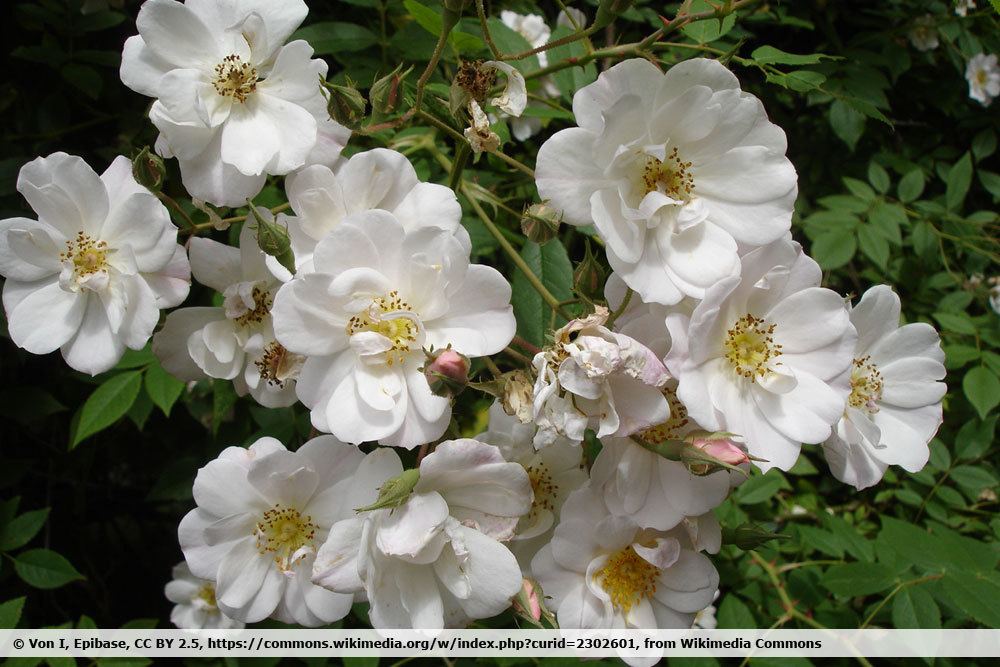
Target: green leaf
974,438
800,80
336,37
822,540
878,177
10,613
761,488
855,579
163,388
84,78
106,405
913,608
552,266
431,21
735,615
991,182
977,594
100,21
860,189
973,478
911,186
707,30
45,569
21,530
853,541
847,123
366,661
769,55
959,179
887,219
956,323
136,358
982,388
510,42
223,399
835,248
874,245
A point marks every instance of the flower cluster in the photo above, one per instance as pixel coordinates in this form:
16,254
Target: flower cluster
715,347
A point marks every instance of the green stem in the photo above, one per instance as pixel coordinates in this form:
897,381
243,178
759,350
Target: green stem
169,201
481,10
620,309
515,257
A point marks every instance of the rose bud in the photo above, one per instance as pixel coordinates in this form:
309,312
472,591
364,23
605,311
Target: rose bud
447,372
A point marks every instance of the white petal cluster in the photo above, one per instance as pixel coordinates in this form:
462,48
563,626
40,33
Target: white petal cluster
261,515
378,294
234,341
673,170
923,34
983,75
195,607
233,102
435,561
894,408
91,274
593,377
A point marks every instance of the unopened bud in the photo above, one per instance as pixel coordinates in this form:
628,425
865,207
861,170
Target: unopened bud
394,492
705,453
527,603
452,13
608,11
273,238
589,276
518,395
749,536
345,104
148,170
540,222
447,372
386,93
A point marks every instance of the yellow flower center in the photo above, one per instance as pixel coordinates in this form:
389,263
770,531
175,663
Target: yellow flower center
671,177
235,78
88,256
670,429
544,488
866,386
283,531
207,595
981,77
401,331
750,347
627,578
262,301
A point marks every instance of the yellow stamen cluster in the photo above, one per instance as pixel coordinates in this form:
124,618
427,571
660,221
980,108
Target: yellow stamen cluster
262,301
401,331
235,78
750,347
672,177
283,531
276,363
670,429
866,385
544,488
627,578
88,256
207,595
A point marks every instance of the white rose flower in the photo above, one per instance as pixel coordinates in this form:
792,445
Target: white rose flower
705,619
91,274
379,294
234,103
673,170
554,472
262,514
591,375
434,561
766,355
895,404
195,607
983,75
375,179
923,34
603,571
962,7
235,341
530,26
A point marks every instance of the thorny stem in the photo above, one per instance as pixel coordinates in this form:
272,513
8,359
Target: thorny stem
525,345
481,10
490,364
511,352
620,309
514,255
195,228
791,610
454,134
568,39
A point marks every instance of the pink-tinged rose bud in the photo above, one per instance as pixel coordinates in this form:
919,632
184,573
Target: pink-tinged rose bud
722,449
447,372
527,602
